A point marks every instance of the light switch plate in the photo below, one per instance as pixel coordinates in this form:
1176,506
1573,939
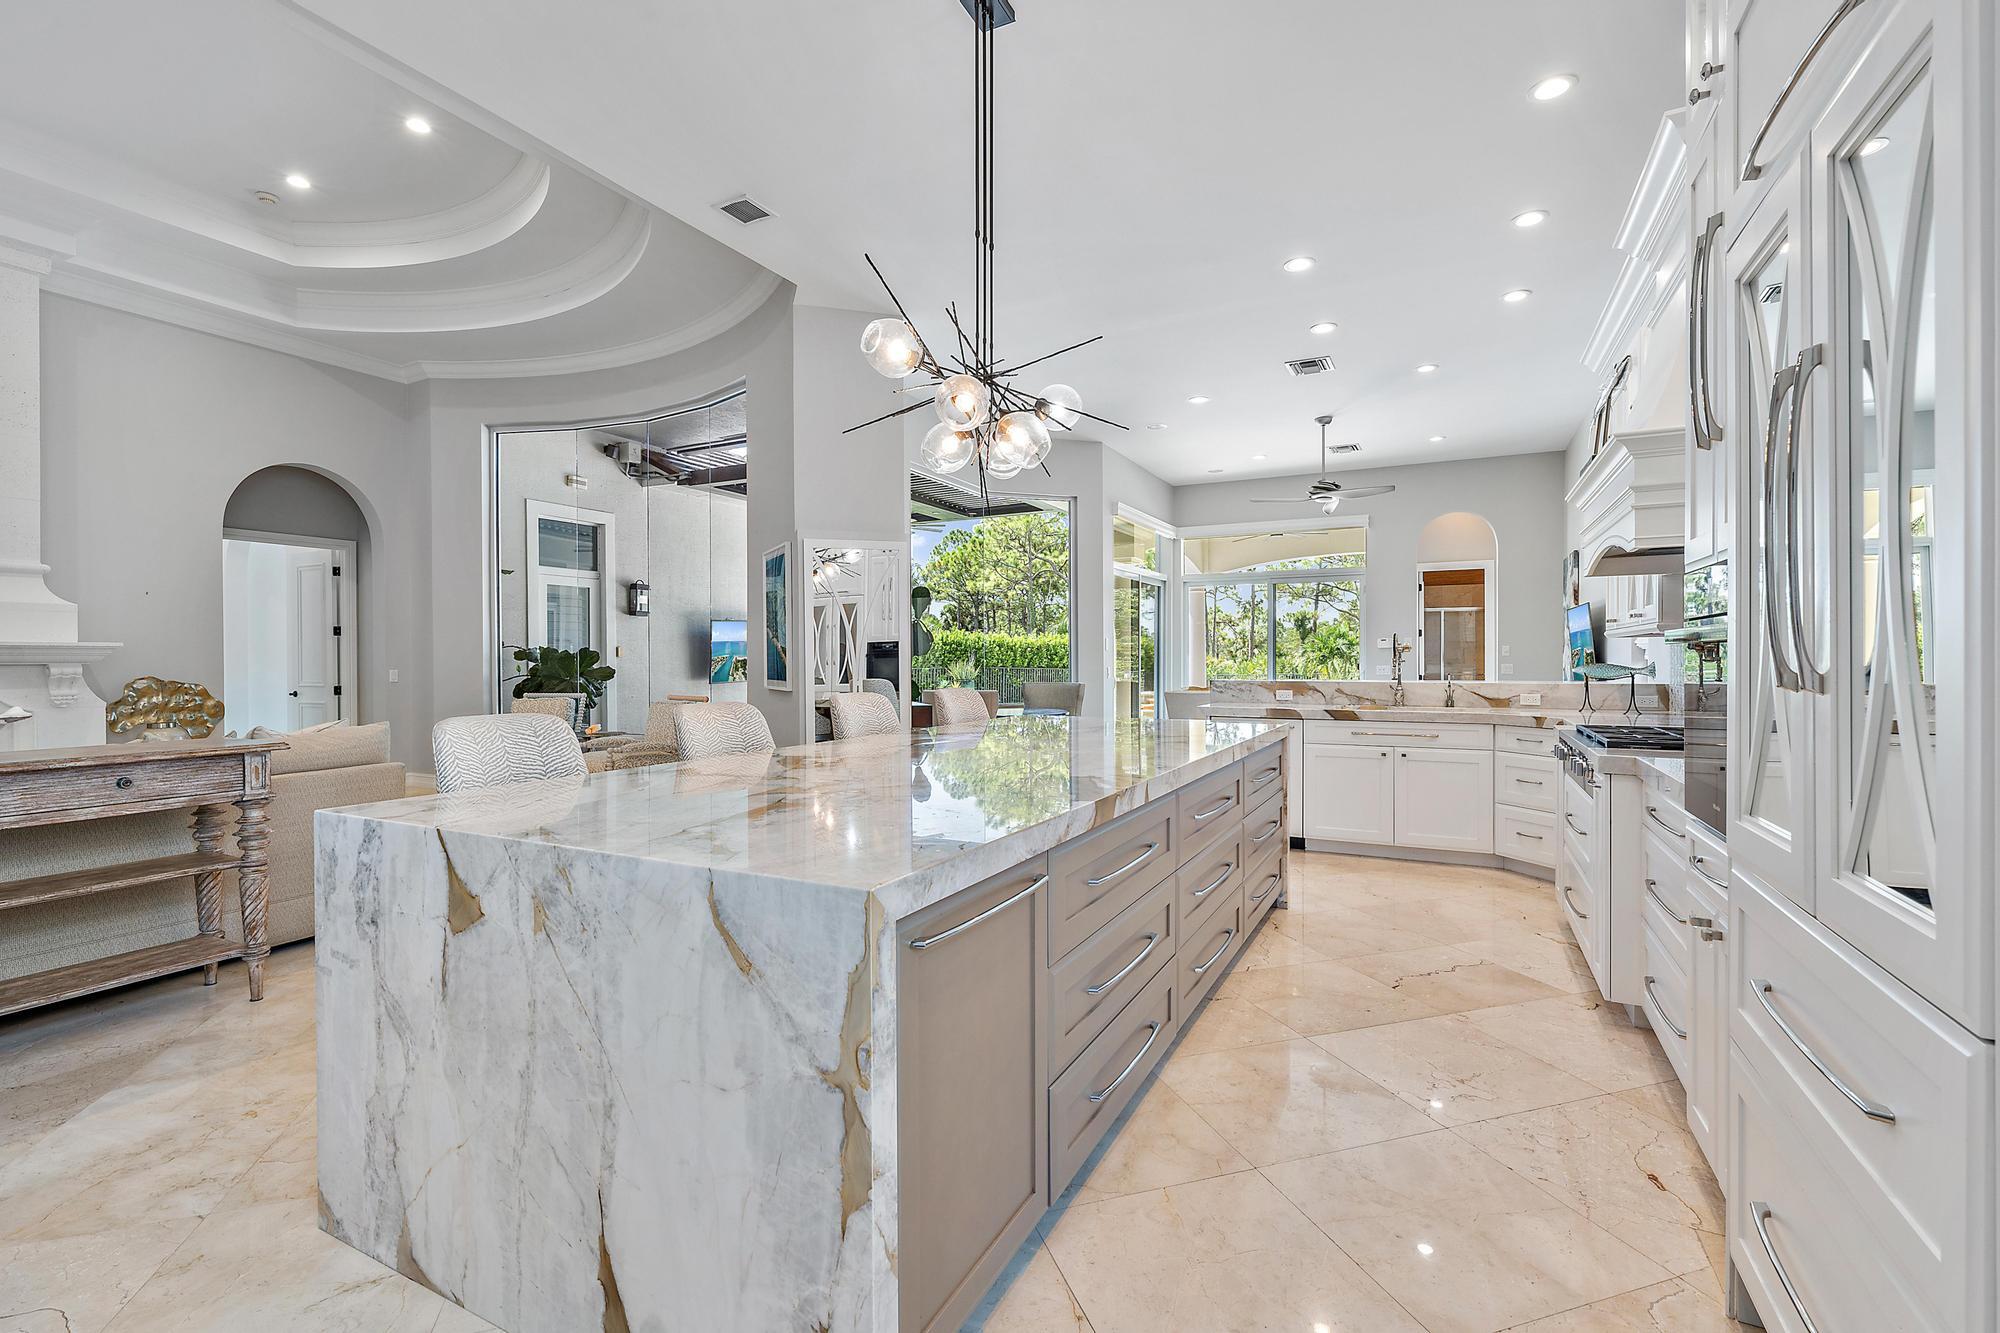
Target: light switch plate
1506,668
1283,694
1530,699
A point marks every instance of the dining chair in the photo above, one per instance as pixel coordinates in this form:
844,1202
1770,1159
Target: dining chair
568,707
492,751
865,714
957,707
1052,696
703,730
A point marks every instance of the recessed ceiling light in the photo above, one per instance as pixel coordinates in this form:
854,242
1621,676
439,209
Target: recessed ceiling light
1515,297
1323,328
298,182
1156,425
1299,263
417,125
1534,217
1258,458
1874,145
1212,471
1554,86
1199,399
1427,368
1437,439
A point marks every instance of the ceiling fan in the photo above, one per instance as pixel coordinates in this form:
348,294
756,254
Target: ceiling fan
1326,492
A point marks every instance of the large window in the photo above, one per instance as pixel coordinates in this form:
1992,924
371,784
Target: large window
1275,605
1138,588
999,587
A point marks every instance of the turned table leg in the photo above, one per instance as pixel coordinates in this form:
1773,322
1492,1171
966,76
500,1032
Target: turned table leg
209,821
252,885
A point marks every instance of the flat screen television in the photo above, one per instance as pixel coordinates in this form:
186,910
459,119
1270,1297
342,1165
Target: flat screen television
728,651
1582,642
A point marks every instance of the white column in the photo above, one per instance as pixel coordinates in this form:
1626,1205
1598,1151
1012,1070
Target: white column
29,612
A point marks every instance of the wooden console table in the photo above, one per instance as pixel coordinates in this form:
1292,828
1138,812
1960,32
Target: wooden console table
40,787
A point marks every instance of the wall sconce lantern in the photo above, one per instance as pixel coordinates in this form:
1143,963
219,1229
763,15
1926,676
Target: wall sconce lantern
638,598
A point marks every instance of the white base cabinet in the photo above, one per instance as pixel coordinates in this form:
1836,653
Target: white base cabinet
1444,799
1350,793
1400,785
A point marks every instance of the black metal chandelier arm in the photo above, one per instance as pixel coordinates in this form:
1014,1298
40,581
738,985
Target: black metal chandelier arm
1015,370
885,416
1104,420
901,313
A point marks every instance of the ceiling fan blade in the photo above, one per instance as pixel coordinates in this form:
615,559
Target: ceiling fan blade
1299,501
1363,492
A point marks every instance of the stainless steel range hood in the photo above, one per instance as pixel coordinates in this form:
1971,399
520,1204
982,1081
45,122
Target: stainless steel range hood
1614,562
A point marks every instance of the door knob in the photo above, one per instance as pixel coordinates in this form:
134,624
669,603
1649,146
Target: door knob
294,694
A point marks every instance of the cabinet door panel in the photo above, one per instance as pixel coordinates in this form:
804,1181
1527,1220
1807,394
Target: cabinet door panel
971,1071
1350,793
1444,799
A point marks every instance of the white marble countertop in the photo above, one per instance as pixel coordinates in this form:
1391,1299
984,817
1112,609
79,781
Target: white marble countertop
1475,711
928,812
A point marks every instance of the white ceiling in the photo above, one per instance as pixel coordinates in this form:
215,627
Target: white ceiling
1157,162
136,162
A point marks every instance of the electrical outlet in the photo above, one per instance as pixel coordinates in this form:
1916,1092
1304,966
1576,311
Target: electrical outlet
1530,699
1283,694
1382,642
393,675
1506,668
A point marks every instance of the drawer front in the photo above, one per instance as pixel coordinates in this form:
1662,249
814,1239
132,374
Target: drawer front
1264,827
1807,1010
1208,878
1525,835
1211,945
1101,874
1086,1099
1666,904
1799,1240
1525,740
148,783
1663,817
1208,810
1098,977
1263,886
1404,735
1579,907
1263,776
1668,1002
1526,781
1578,830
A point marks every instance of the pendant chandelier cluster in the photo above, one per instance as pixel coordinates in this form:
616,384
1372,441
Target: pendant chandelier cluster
984,420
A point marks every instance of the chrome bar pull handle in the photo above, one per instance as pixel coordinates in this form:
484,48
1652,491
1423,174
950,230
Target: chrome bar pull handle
1696,863
1752,169
1810,677
1130,865
1219,951
1672,1026
1873,1110
1773,590
1653,892
1152,941
1707,425
1760,1213
1215,809
1269,884
1228,868
986,915
1653,813
1152,1035
1569,896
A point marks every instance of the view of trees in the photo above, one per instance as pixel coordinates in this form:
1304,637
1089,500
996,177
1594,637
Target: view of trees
1317,627
999,608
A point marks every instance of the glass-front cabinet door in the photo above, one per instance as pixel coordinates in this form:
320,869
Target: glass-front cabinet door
1770,743
1894,441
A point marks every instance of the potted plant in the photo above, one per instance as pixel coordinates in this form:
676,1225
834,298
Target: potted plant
548,670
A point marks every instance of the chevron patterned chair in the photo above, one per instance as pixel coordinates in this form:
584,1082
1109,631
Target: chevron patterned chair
957,707
488,751
866,714
711,729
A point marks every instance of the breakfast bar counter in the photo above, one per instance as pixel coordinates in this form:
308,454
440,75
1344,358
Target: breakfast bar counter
806,1040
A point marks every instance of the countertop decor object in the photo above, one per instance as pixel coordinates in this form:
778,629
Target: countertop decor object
175,705
41,787
984,421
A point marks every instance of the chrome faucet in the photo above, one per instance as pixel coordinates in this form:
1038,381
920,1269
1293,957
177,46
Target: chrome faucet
1396,650
1450,691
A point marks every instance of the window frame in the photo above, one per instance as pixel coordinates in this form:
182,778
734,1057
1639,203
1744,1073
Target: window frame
1355,574
541,577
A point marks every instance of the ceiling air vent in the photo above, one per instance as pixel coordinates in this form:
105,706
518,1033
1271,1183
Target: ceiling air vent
1310,365
745,210
1344,449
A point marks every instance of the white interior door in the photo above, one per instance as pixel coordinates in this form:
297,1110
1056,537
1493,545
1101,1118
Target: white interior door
312,627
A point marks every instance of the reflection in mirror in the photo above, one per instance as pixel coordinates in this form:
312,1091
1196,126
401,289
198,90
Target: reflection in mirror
857,592
1768,790
621,563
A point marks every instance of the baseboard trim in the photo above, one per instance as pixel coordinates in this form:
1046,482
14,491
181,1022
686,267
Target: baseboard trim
1433,855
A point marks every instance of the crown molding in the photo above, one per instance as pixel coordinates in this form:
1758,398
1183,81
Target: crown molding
1652,236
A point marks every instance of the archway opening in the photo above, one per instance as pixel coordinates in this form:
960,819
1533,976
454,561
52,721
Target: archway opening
1458,558
293,543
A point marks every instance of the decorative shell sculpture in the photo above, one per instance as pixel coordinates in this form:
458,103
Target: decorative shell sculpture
151,702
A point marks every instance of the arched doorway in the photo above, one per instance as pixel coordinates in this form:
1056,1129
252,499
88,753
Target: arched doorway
292,545
1458,559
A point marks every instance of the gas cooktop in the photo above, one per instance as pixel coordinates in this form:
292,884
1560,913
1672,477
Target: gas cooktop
1631,738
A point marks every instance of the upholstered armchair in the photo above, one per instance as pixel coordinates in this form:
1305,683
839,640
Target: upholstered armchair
863,714
957,707
1056,696
703,730
487,751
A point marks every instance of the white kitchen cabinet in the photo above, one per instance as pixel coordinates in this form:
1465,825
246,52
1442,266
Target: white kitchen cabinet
1350,793
1444,799
1708,980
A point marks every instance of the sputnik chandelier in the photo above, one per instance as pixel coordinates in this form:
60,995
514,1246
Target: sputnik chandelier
984,421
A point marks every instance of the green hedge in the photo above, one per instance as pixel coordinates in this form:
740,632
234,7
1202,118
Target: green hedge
1049,651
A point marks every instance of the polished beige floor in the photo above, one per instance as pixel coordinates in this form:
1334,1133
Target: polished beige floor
1405,1109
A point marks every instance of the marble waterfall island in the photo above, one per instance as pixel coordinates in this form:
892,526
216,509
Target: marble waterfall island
622,1051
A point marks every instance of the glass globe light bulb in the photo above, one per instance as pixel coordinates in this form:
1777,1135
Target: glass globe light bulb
1022,439
962,402
1060,403
947,449
1001,468
892,347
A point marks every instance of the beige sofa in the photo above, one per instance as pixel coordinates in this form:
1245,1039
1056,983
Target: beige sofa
316,771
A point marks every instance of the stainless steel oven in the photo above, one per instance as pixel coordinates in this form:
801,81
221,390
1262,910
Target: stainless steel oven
1704,642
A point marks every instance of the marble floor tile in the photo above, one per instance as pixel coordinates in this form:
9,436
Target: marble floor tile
1162,1142
1314,998
1633,1174
1288,1099
1669,1307
1031,1297
1224,1023
1227,1255
1450,980
1274,948
1453,1071
1549,955
1462,1242
1341,931
1581,1035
